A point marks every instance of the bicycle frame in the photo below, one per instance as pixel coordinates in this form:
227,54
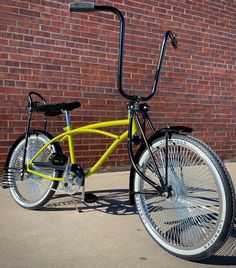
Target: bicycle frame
70,133
134,109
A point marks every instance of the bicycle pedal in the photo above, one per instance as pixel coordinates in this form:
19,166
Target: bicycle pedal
90,198
58,159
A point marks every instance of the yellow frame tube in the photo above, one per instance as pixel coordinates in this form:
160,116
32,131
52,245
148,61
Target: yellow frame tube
71,145
91,128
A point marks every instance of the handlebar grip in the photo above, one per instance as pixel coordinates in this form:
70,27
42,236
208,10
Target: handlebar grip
81,7
173,40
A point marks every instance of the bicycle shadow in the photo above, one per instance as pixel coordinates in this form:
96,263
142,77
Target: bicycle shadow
226,256
116,202
113,201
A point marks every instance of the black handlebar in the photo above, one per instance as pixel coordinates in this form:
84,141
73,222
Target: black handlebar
90,7
173,40
82,7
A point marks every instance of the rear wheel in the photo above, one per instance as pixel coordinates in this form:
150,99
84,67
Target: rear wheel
33,191
195,220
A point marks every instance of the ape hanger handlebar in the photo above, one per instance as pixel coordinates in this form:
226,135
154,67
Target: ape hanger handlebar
90,7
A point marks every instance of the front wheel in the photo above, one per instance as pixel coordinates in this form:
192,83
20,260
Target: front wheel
194,221
33,191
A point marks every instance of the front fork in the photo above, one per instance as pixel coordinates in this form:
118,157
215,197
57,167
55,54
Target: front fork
134,125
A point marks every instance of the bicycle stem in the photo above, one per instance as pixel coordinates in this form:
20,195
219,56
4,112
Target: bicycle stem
90,7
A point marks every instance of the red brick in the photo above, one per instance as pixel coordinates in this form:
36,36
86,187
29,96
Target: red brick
69,57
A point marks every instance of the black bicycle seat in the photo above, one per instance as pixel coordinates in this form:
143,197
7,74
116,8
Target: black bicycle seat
54,109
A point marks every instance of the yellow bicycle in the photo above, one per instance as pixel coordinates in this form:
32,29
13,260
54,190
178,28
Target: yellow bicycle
182,190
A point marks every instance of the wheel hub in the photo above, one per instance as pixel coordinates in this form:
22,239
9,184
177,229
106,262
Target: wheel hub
176,190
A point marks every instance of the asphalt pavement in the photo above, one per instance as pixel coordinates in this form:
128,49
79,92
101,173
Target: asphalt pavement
107,233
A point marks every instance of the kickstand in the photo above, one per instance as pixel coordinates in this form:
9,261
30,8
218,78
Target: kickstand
85,197
83,193
76,207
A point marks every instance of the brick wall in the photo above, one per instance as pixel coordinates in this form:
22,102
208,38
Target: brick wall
68,57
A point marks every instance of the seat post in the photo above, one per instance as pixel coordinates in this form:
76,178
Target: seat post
70,138
68,121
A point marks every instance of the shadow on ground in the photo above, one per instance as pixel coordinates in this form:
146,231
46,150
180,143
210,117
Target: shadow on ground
226,256
116,202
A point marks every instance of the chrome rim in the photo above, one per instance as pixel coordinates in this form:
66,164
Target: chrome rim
191,219
33,189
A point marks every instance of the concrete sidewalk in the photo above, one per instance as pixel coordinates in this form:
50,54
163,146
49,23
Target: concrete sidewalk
108,233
